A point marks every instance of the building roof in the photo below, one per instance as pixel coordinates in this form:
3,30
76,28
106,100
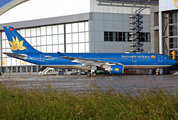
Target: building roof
10,5
148,1
132,1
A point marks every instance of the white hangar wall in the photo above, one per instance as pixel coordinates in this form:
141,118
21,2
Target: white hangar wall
38,9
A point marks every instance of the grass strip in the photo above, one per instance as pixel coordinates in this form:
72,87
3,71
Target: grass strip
17,103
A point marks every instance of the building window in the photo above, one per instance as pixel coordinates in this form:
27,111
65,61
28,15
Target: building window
119,36
124,36
110,36
144,37
14,69
173,43
28,68
148,37
106,36
23,68
34,68
172,18
8,69
4,69
18,68
114,36
173,30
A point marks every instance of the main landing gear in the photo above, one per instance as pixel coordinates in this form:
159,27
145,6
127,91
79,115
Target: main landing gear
93,72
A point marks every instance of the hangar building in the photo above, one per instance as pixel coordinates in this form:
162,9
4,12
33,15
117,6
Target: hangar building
71,26
164,29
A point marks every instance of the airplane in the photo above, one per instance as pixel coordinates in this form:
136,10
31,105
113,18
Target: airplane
114,63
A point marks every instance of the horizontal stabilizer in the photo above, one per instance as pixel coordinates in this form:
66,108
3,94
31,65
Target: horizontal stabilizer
16,55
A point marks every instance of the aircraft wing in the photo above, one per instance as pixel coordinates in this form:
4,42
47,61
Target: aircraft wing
16,55
90,62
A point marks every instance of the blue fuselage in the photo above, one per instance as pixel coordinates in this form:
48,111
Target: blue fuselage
129,60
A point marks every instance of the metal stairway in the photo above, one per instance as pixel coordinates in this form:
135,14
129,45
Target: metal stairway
44,70
136,26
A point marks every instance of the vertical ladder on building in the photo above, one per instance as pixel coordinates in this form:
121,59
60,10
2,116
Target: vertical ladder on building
136,26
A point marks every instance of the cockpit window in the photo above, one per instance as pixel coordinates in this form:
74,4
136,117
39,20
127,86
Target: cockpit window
169,58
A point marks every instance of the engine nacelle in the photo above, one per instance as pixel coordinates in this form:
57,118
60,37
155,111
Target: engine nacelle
115,69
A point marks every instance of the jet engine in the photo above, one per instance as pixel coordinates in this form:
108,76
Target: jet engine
115,69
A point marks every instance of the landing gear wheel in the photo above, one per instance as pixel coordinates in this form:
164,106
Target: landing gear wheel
94,74
88,74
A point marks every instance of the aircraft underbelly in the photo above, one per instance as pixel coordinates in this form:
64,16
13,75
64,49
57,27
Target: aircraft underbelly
81,67
145,66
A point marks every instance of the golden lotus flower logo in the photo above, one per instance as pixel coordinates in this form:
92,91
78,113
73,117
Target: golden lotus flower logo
175,2
153,56
16,45
117,69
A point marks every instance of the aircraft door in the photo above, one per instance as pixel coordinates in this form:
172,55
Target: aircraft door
160,58
134,59
41,57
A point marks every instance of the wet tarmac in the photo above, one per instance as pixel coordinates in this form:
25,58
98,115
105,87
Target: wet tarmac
81,82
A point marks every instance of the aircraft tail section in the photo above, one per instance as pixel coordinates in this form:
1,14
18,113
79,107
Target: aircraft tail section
17,43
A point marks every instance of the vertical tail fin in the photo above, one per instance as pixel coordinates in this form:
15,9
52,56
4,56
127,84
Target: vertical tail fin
17,43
